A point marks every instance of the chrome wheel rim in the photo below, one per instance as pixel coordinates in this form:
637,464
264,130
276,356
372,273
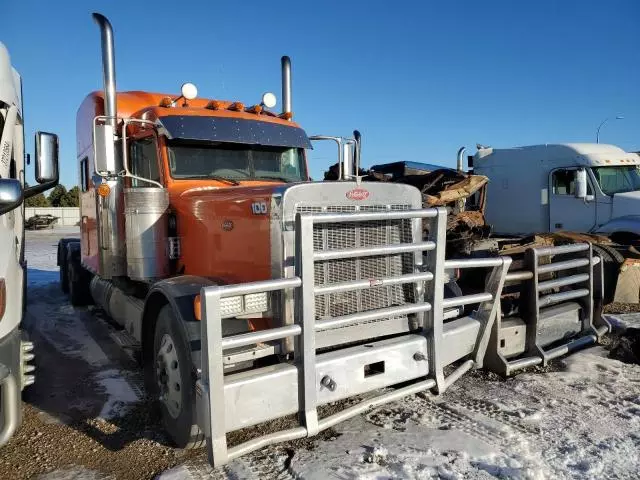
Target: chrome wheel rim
168,376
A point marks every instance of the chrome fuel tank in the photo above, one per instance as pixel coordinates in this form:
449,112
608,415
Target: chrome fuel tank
146,225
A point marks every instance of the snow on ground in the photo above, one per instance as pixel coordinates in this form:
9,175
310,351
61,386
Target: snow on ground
120,394
582,422
65,327
579,421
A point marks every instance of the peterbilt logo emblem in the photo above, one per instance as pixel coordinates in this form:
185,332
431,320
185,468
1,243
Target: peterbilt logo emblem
357,194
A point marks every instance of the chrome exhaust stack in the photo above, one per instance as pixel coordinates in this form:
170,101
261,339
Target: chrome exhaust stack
110,210
461,158
286,84
108,68
356,154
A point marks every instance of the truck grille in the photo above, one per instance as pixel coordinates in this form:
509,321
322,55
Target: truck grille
354,235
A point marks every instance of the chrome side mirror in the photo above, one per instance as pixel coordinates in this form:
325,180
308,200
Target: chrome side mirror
10,194
581,184
47,173
46,157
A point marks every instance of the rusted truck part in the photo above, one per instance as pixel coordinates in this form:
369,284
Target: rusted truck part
553,299
462,194
621,278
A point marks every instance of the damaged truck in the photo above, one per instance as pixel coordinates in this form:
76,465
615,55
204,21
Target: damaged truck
254,293
251,292
555,290
580,191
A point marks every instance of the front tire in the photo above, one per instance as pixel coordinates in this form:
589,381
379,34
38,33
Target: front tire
78,281
611,262
62,262
175,381
64,278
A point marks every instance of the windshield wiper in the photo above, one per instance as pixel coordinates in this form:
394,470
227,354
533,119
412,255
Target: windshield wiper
273,177
230,181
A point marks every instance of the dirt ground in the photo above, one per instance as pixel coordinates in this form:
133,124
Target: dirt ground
62,430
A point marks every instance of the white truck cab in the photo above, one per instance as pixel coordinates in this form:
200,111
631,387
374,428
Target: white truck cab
15,350
580,187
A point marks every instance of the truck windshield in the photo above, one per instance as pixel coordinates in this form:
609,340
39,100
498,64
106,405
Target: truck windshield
620,179
237,162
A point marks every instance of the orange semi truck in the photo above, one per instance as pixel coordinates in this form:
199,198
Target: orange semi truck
252,292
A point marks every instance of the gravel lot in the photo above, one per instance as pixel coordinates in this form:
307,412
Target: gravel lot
86,416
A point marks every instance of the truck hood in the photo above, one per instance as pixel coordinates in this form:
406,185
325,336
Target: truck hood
625,204
225,232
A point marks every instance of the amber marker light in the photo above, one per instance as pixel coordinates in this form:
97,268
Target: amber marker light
3,297
236,106
103,190
197,307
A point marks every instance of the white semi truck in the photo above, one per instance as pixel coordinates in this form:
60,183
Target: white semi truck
579,187
15,350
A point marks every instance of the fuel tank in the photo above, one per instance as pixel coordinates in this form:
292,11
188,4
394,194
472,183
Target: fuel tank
146,217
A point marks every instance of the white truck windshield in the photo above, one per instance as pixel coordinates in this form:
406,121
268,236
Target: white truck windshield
618,179
237,162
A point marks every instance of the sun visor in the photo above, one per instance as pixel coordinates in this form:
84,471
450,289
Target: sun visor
233,130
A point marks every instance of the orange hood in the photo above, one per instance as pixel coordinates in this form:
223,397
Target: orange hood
224,231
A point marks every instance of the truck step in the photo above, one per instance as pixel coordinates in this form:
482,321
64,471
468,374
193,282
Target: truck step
127,343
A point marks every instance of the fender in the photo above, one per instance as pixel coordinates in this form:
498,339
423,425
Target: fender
627,224
178,292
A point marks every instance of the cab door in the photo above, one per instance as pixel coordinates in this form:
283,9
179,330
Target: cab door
566,212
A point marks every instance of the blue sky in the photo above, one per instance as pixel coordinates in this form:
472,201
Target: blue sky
418,79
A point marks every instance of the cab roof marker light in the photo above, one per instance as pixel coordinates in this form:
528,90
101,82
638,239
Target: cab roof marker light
215,105
236,106
254,109
166,102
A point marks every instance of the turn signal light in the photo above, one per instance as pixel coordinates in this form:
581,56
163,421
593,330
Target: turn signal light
103,190
214,105
197,307
3,297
